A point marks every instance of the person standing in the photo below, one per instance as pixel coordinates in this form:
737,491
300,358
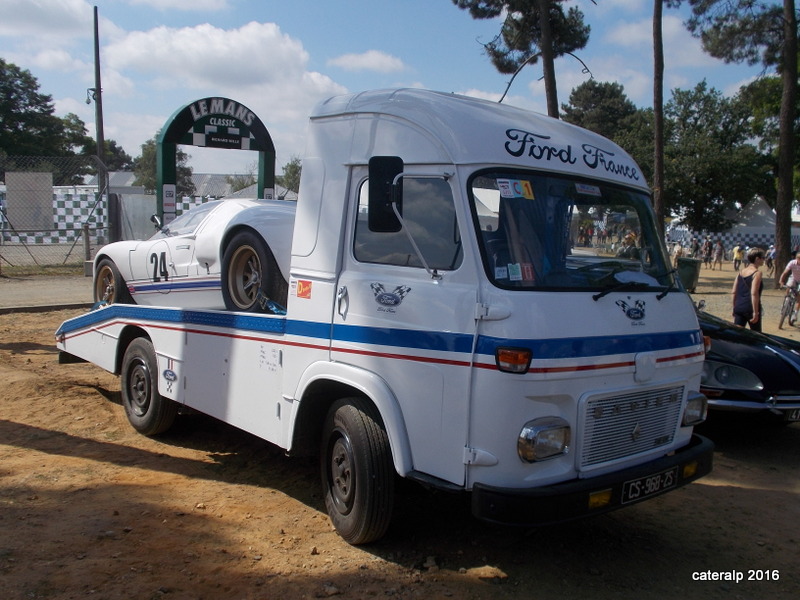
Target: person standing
746,292
719,255
706,252
738,255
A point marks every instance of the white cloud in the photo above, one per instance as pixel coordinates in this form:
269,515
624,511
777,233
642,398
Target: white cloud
255,64
52,19
58,60
207,56
371,60
187,5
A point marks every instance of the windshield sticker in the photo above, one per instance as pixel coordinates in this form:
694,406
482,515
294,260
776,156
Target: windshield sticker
588,190
515,188
527,272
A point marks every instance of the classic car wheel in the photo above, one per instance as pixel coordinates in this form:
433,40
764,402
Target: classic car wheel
109,286
357,471
250,274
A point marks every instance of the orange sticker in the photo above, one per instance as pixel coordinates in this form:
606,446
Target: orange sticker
303,289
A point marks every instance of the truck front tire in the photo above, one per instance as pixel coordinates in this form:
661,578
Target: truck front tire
357,471
148,412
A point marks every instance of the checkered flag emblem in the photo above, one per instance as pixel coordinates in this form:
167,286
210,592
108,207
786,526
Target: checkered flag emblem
400,291
391,299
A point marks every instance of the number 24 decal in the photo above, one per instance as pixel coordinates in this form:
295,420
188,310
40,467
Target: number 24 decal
159,262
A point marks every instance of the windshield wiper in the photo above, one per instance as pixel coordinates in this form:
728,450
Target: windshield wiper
625,285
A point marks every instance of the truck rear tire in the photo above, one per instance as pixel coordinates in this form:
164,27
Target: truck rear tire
357,471
148,412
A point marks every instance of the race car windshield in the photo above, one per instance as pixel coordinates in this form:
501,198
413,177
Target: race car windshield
187,222
539,231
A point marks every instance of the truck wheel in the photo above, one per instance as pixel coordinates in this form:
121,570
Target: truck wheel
147,411
357,471
109,286
248,268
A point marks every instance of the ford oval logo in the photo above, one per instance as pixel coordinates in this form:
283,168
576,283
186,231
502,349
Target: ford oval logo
388,299
634,311
170,375
635,314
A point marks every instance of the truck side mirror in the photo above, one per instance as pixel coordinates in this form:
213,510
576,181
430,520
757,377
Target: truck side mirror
383,193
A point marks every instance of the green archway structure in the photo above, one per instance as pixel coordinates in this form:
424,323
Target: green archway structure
211,123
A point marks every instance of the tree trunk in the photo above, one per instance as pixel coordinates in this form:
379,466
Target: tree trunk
548,64
786,142
658,116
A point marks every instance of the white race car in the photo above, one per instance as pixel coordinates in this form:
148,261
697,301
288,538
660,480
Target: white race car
213,256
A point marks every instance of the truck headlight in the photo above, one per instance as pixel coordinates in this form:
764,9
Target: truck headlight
729,377
696,409
543,438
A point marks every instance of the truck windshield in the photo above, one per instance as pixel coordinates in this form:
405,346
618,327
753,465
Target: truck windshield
540,231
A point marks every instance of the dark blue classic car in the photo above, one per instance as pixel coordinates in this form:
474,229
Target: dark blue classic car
747,371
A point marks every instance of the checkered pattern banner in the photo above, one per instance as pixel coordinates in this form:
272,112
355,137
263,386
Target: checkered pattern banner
729,239
70,212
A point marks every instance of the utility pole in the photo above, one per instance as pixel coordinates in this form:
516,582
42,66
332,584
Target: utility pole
98,108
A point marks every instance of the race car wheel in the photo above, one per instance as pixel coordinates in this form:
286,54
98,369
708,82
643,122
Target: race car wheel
109,286
250,275
148,412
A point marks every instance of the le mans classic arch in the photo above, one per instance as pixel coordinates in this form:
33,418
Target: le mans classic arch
211,123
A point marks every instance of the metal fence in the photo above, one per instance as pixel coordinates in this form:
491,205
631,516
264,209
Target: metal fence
51,211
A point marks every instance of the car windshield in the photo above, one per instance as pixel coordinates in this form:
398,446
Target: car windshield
188,222
540,231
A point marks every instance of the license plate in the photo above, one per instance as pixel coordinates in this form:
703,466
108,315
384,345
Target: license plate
793,415
636,489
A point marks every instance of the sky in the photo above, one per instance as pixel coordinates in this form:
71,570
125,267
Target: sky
281,57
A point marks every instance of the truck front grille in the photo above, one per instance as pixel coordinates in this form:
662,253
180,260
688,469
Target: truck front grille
617,426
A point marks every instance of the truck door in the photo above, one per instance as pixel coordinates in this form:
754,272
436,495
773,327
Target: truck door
407,315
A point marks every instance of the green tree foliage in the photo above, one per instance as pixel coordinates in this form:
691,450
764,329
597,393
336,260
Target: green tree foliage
240,181
27,123
116,159
29,126
711,166
599,106
531,30
145,167
291,174
763,96
758,31
604,108
75,139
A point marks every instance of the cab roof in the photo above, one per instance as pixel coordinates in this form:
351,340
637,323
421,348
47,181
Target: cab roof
424,126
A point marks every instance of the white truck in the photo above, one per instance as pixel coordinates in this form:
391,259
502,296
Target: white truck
478,300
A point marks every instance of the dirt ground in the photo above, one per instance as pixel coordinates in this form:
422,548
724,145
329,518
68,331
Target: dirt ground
90,509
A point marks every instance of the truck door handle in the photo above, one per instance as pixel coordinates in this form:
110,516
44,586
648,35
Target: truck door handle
342,301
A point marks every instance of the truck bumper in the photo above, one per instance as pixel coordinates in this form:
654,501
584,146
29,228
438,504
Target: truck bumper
587,497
